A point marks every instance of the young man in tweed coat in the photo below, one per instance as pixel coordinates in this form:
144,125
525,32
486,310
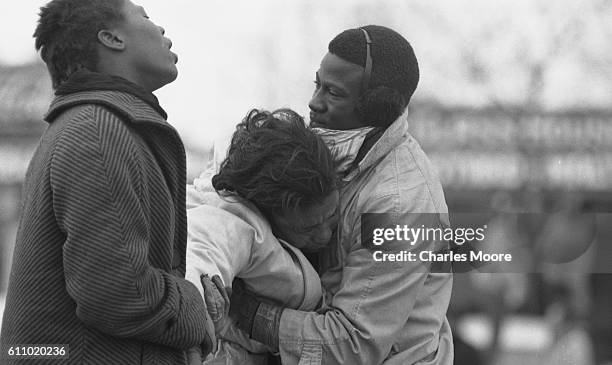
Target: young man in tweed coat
99,261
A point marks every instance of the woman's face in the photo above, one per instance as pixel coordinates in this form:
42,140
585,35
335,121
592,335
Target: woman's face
309,229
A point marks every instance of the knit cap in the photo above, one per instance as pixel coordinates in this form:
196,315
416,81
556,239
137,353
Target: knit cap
394,64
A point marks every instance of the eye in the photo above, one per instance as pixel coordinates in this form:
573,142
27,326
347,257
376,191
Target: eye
301,230
317,84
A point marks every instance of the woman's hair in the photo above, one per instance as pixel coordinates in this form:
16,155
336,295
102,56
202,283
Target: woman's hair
67,34
276,163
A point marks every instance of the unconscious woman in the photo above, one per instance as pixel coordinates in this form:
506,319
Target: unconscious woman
273,196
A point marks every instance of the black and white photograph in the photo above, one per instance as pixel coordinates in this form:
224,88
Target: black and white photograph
305,182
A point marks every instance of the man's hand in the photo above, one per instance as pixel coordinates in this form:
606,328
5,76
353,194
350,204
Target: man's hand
244,306
259,319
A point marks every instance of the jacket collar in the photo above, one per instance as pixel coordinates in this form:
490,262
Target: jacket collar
125,104
394,135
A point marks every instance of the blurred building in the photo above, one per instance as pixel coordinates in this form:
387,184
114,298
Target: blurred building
537,159
484,150
25,94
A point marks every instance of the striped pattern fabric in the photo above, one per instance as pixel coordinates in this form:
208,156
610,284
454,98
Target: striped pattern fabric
100,254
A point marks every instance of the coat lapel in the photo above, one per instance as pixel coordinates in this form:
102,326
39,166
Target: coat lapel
162,138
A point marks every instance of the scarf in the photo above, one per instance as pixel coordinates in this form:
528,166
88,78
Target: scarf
85,80
345,145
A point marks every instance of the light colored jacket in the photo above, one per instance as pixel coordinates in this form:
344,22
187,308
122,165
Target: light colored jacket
378,312
230,237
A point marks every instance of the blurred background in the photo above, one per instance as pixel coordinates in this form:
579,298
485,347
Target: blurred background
514,108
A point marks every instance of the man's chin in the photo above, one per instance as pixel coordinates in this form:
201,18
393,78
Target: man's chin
171,75
315,124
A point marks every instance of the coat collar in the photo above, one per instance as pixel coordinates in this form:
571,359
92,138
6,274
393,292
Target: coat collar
395,134
125,104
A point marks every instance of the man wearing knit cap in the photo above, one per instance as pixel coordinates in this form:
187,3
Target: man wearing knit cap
374,311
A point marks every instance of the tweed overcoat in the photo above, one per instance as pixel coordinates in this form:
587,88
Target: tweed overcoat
99,259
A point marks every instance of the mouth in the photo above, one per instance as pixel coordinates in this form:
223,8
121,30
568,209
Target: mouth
318,245
315,122
172,53
314,248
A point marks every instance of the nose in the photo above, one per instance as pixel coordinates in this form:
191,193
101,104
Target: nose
317,103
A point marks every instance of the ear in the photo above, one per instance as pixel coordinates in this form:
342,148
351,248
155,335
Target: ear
381,106
111,39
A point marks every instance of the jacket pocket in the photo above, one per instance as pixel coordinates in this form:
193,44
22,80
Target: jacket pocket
311,354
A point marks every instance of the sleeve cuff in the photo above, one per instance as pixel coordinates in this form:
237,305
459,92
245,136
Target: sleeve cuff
266,325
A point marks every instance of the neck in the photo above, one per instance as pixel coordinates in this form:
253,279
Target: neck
114,68
85,80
